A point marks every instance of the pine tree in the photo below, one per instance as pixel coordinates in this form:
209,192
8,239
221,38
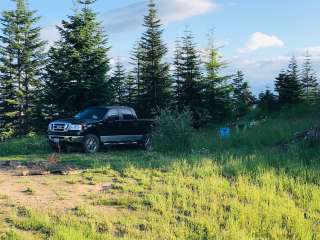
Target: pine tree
187,77
288,85
177,76
217,90
242,95
130,95
154,72
309,80
8,105
78,64
267,101
21,63
134,78
117,84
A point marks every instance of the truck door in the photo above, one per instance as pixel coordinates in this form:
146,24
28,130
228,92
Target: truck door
130,128
110,130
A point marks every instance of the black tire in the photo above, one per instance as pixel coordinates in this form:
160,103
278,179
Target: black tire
91,144
146,143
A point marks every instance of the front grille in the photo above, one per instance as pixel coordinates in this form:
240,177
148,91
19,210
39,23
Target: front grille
59,127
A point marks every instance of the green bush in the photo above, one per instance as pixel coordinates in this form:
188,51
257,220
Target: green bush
174,131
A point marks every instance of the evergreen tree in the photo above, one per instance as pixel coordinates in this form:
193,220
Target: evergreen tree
177,76
188,79
130,95
154,72
288,85
134,78
21,65
78,64
242,95
267,101
117,84
309,80
218,90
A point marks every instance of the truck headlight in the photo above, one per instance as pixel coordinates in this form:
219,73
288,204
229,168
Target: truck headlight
75,127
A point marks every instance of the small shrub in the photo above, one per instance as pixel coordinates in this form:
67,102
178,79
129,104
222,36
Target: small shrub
174,131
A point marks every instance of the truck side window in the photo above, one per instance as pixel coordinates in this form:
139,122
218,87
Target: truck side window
127,114
113,114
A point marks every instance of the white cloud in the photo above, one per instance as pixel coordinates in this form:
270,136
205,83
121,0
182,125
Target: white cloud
131,16
261,40
50,34
179,10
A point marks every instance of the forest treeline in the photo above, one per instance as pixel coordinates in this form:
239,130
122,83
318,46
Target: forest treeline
37,85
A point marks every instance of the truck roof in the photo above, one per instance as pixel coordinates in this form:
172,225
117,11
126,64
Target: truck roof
108,107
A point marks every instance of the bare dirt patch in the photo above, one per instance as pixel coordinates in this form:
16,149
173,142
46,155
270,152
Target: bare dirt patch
46,192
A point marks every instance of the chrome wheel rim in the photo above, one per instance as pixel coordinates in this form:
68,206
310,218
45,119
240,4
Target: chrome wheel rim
91,144
147,144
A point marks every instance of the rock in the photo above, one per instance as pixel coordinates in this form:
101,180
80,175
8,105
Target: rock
23,172
64,170
38,172
311,135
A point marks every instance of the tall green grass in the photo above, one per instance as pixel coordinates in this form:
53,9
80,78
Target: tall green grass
25,146
246,187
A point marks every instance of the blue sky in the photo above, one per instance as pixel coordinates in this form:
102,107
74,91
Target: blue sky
258,37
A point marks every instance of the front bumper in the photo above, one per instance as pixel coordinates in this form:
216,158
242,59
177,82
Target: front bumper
65,139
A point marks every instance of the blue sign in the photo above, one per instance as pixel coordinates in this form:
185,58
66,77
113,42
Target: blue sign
225,133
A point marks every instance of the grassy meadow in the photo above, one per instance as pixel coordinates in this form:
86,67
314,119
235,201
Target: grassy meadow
250,186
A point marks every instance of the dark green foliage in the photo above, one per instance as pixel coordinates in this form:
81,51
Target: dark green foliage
177,75
155,81
267,101
136,61
309,80
288,85
174,131
218,90
187,77
130,94
78,65
242,95
21,63
117,84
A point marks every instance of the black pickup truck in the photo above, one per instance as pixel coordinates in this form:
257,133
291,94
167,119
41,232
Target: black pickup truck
98,126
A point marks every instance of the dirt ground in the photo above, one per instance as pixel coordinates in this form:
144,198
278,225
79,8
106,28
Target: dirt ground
51,192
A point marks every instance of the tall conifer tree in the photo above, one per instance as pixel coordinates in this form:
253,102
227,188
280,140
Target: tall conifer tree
78,64
155,79
288,84
188,78
242,96
21,65
177,75
134,78
117,84
130,94
217,92
309,80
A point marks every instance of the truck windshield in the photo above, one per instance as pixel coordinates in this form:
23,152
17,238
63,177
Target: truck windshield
92,113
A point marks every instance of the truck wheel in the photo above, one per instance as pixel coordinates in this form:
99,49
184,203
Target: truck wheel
147,143
91,144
